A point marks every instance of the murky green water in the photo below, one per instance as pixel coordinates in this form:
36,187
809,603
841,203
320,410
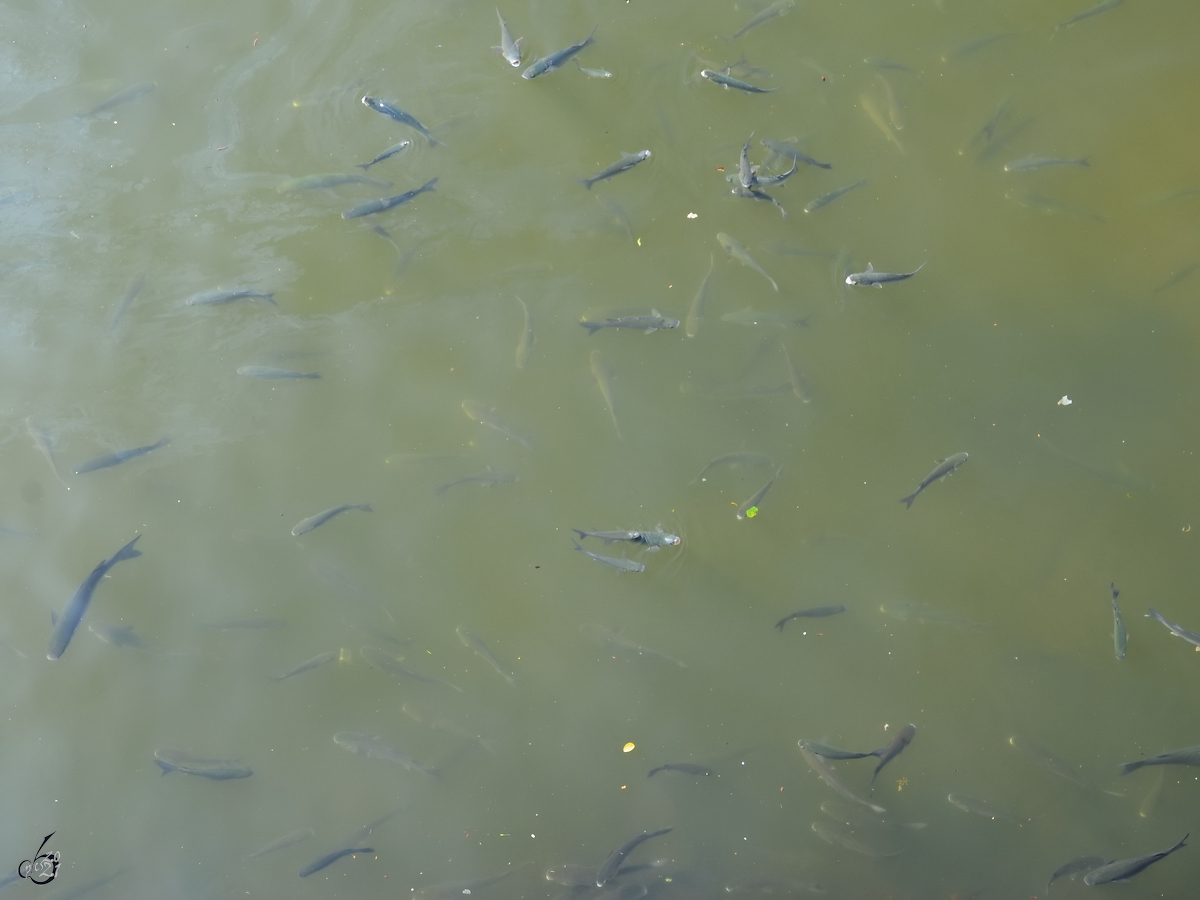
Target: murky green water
1066,280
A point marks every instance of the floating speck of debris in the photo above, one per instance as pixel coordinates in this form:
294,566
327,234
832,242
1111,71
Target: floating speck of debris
692,216
1065,401
628,747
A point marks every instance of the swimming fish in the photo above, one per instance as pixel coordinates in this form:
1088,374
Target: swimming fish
727,81
871,278
115,459
647,324
1120,636
475,642
269,372
213,769
394,112
314,182
549,63
73,612
826,199
696,311
738,252
371,207
626,162
330,858
306,525
944,469
1124,869
817,612
220,298
773,11
525,344
604,376
508,48
386,154
477,412
616,562
749,508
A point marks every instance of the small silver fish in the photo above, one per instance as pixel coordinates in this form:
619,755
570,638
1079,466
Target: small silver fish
738,252
269,372
773,11
604,380
477,412
738,458
826,199
330,858
214,769
1105,6
647,324
117,635
220,298
727,81
871,278
608,869
1178,630
371,207
978,807
321,659
485,478
825,772
373,747
817,612
696,311
944,469
394,112
1188,756
619,563
109,460
386,154
650,538
126,96
1029,163
626,162
593,73
525,344
304,526
749,509
792,152
508,48
1124,869
1120,636
549,63
315,182
475,643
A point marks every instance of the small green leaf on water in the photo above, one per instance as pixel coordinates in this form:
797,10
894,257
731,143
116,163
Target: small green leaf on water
752,512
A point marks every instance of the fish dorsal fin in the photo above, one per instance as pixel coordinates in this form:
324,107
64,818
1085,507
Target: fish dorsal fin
655,312
870,268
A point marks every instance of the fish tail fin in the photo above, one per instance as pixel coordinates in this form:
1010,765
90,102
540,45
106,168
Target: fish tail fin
582,534
586,182
365,507
592,327
428,186
578,546
270,298
1128,767
166,770
908,501
128,551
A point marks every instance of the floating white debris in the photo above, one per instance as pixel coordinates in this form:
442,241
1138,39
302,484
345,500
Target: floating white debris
1065,401
692,216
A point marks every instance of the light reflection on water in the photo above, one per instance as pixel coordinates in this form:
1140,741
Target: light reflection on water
1024,299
